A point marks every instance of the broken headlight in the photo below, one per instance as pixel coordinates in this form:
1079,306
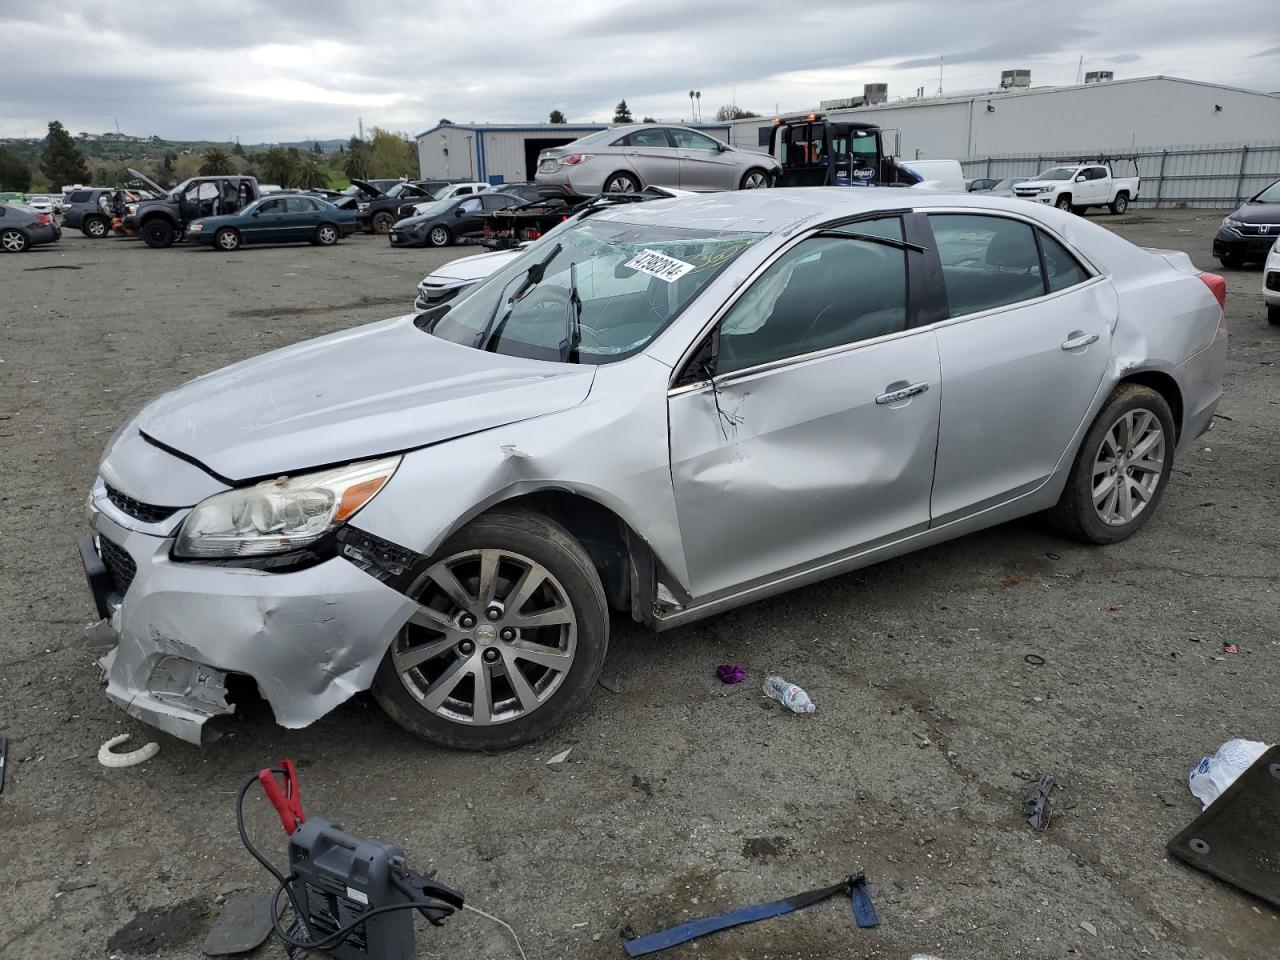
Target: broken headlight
279,515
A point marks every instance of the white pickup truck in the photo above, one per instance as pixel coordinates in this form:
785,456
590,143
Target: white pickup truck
1079,187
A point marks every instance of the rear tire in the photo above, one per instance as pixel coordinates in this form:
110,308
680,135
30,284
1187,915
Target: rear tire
439,237
1273,315
382,222
754,179
1121,469
1120,205
621,183
227,240
14,241
326,235
158,234
516,709
95,228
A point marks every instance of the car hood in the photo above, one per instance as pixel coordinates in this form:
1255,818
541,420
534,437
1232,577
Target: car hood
1258,213
373,192
360,393
1028,184
477,267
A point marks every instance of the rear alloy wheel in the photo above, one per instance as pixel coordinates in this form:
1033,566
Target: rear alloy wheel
509,636
1120,205
439,237
158,234
1121,470
326,235
95,227
622,183
1064,203
754,179
383,222
13,241
227,239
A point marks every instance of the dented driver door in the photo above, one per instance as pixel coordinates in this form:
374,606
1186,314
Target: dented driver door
816,438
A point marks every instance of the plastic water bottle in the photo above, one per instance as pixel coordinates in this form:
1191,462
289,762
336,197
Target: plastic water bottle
788,694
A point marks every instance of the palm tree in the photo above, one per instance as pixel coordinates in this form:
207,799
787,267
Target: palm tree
308,174
216,163
276,166
355,164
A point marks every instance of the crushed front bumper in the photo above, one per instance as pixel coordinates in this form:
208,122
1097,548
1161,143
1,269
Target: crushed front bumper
309,638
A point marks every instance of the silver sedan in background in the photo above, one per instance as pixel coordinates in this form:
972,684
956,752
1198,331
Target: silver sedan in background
628,158
667,409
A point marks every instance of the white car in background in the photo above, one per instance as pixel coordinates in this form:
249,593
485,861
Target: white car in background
1271,285
458,275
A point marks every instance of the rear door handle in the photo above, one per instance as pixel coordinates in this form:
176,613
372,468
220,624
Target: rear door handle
1083,340
903,393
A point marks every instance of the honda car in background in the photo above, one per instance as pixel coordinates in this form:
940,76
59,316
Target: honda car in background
1249,233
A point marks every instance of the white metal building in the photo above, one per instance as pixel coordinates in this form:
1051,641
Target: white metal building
1110,116
503,152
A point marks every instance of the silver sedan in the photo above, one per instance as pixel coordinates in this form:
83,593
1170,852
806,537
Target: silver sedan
666,410
626,159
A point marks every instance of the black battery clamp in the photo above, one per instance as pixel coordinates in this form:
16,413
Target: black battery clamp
351,896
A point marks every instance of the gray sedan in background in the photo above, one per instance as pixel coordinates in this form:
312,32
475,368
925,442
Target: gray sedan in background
629,158
667,409
21,228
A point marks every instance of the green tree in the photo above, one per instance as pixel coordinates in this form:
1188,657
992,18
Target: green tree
732,112
356,162
444,122
167,164
622,113
276,166
186,167
14,174
648,120
558,117
216,163
316,148
309,174
391,155
237,149
62,163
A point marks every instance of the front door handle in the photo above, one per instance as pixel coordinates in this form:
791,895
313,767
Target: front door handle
1079,340
902,393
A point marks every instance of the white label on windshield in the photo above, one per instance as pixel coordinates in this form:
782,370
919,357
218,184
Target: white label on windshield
659,265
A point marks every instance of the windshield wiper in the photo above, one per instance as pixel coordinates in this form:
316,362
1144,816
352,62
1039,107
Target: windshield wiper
575,316
533,276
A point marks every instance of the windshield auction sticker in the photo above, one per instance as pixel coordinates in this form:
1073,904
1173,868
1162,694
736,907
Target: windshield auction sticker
659,265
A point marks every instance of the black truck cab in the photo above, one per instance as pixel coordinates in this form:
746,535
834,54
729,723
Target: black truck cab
814,151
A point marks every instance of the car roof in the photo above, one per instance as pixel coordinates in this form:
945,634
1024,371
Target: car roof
786,209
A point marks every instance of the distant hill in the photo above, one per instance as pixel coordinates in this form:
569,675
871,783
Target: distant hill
113,146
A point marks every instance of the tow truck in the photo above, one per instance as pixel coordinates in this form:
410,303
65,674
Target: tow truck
513,226
815,151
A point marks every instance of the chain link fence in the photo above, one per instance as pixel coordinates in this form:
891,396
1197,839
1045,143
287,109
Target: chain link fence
1217,175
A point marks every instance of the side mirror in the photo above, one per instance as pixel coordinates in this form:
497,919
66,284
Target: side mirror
459,210
256,213
1081,179
722,147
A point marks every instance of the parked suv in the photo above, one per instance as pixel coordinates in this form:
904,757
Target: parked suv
629,158
383,208
88,210
162,221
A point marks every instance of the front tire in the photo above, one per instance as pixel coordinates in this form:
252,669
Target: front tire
622,183
1064,204
754,179
95,228
509,638
227,239
1120,205
383,222
14,241
1121,469
439,237
158,234
326,235
1273,315
1232,261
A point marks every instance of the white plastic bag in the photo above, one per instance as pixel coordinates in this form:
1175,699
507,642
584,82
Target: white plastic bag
1214,774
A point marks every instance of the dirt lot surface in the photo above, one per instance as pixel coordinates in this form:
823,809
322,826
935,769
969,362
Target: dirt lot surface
681,796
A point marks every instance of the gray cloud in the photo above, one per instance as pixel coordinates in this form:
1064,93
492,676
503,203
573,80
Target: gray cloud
288,69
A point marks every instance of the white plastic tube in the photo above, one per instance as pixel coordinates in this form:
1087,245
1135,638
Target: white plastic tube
109,759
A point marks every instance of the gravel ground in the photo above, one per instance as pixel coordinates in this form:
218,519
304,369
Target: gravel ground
681,797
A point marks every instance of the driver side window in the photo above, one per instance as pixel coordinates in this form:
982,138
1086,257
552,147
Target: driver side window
832,289
470,205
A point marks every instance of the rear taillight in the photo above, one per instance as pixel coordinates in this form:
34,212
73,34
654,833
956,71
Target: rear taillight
488,231
1217,286
44,219
574,159
532,233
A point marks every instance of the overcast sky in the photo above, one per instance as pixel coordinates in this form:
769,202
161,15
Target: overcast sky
268,71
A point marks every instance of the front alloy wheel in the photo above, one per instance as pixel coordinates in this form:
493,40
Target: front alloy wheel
227,239
755,180
508,636
439,236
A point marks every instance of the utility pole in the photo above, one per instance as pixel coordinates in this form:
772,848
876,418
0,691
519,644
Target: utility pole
360,124
940,58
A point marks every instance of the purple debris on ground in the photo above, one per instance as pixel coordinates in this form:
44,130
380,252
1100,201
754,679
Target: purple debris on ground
731,673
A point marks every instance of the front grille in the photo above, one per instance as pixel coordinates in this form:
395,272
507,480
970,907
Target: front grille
1259,230
118,563
146,512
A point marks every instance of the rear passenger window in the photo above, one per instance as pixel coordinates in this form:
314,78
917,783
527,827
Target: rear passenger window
1061,269
79,196
987,262
826,291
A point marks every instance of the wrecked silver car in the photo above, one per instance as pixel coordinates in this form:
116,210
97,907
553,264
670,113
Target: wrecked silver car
667,410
